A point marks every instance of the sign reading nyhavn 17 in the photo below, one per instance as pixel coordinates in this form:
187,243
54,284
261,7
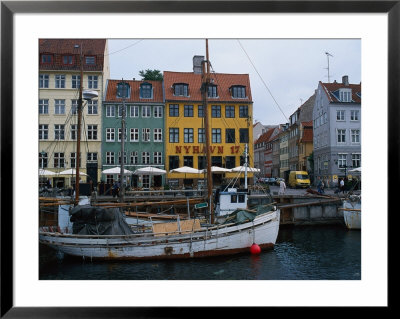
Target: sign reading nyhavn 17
188,149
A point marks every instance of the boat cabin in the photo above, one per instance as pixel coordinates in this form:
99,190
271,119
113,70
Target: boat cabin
230,200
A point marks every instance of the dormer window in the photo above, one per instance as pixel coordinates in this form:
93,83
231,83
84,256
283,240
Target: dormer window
67,59
238,91
123,90
46,58
345,95
146,91
181,89
90,60
212,91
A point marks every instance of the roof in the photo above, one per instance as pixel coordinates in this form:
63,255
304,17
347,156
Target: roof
111,92
265,136
306,124
223,81
330,88
60,47
307,135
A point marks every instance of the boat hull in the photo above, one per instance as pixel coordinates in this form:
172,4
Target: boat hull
352,219
215,241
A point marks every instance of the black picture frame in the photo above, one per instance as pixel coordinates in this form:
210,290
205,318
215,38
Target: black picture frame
9,8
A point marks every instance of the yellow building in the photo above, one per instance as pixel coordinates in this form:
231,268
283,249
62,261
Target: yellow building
230,110
59,82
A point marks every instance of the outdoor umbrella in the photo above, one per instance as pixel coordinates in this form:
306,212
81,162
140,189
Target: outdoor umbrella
186,170
71,171
242,169
358,169
217,170
116,170
149,171
45,172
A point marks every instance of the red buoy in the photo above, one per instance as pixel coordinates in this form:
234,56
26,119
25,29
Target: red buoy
255,249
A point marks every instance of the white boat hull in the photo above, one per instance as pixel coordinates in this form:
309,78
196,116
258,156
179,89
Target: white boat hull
352,213
221,240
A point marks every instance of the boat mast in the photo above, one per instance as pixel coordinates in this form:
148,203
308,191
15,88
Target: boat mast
78,138
205,83
124,94
245,167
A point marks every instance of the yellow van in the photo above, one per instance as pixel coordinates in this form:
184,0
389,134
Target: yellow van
299,179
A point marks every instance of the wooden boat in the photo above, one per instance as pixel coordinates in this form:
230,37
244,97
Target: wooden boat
352,212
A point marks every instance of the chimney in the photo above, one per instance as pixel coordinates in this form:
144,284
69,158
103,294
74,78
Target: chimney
197,64
345,80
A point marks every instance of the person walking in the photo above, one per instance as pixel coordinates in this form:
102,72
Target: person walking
319,185
342,185
282,187
115,189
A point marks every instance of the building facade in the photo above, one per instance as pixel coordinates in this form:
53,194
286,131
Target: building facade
60,62
337,130
144,129
230,111
305,147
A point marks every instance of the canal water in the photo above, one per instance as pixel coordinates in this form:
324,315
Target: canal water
300,253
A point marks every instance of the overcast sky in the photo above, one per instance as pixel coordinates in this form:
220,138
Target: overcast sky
283,73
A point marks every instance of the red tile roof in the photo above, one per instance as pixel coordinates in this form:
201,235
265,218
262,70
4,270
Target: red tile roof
111,93
265,136
222,80
309,123
332,87
307,135
60,47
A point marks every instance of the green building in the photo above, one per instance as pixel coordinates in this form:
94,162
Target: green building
144,128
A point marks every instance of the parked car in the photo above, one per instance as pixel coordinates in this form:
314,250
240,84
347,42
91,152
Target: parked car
272,180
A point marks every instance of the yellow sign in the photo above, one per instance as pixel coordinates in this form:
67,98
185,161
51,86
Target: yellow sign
334,177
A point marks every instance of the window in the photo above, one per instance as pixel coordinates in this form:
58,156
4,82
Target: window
230,135
216,161
43,81
216,135
73,160
74,131
174,110
201,162
74,107
146,111
134,158
59,160
134,135
354,115
146,181
43,160
157,157
43,131
158,111
233,198
181,89
201,135
110,134
134,111
58,131
146,91
238,91
355,136
173,162
60,81
212,91
342,160
120,135
92,132
157,135
356,160
188,111
123,90
109,179
119,158
91,157
345,95
145,135
47,58
341,136
188,161
76,81
188,135
173,135
44,106
244,135
200,111
90,60
216,111
230,162
92,107
145,158
243,111
110,110
67,59
110,159
59,106
92,81
340,115
229,111
121,109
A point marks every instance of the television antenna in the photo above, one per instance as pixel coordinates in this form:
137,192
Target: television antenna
328,55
